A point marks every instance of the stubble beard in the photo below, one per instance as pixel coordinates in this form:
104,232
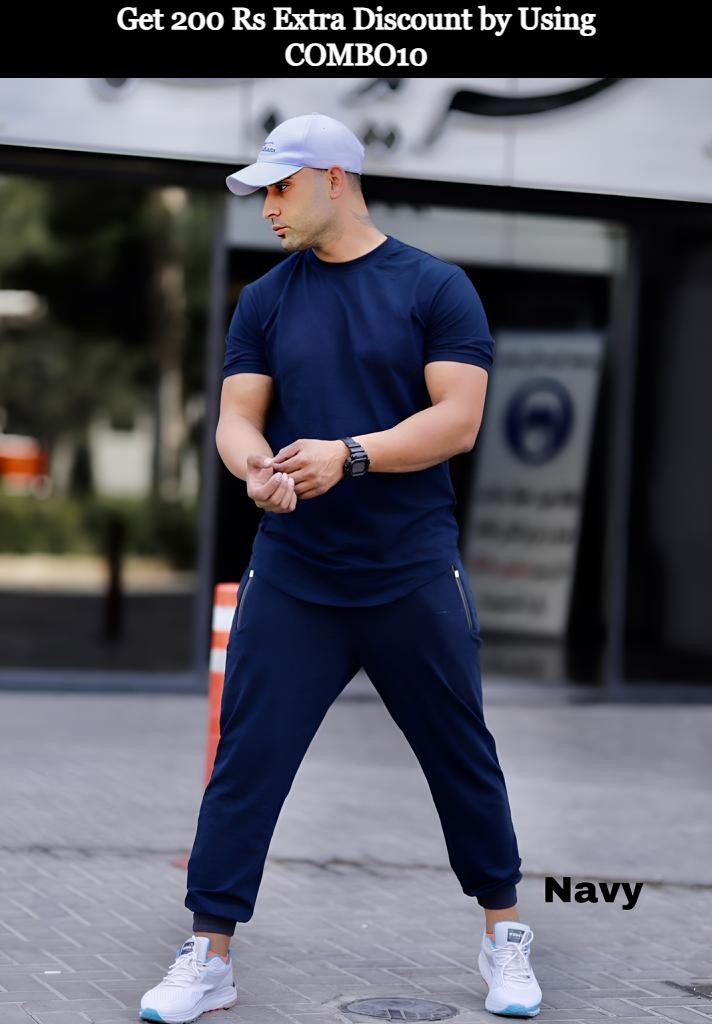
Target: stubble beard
295,241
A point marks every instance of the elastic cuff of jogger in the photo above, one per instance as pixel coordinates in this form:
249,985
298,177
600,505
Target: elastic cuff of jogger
210,923
499,899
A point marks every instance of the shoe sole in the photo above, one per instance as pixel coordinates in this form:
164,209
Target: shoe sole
512,1009
515,1010
222,1003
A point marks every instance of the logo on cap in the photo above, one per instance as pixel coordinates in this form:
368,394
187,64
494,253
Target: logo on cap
268,148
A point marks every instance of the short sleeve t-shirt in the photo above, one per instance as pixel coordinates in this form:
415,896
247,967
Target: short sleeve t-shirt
346,345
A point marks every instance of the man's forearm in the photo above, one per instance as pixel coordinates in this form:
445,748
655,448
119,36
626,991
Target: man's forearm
425,439
236,438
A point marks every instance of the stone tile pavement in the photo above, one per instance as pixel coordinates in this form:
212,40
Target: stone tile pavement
99,799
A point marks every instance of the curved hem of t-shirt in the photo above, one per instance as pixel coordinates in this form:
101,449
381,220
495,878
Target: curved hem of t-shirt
442,565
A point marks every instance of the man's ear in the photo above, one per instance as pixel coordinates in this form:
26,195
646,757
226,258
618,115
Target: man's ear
337,181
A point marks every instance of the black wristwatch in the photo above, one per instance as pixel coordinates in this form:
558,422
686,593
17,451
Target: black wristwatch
358,461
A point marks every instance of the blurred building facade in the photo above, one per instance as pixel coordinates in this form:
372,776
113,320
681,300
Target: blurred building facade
580,209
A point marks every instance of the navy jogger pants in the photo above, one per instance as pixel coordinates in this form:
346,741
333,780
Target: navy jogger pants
421,652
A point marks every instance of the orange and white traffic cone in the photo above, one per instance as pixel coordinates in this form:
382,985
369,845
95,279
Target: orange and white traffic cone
224,604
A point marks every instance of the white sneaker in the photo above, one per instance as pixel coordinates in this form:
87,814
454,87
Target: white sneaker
195,983
504,964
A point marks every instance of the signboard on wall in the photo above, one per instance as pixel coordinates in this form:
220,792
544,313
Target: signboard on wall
521,540
583,134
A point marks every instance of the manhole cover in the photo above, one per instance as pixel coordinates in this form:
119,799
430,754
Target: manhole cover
703,990
397,1008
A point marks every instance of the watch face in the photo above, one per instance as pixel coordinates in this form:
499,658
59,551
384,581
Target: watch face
358,468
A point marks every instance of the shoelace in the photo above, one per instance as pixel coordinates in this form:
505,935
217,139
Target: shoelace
513,958
184,969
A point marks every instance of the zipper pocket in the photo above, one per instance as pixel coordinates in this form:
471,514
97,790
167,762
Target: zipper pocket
242,599
462,595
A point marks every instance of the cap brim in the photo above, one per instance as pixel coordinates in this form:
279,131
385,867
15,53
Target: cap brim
249,179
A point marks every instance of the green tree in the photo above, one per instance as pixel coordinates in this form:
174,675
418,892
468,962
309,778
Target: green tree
124,273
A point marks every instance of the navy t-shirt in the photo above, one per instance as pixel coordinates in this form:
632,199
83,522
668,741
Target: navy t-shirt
346,345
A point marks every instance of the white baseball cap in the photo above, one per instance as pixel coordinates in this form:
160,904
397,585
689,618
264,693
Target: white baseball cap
310,140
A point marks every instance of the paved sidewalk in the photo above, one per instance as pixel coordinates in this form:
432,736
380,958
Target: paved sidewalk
100,797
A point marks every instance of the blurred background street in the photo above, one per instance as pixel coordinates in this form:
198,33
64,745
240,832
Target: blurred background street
584,527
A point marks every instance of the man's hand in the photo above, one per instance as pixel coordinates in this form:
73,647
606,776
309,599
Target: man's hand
315,465
269,489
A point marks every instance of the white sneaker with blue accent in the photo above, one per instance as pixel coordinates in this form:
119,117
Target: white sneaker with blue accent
195,983
504,964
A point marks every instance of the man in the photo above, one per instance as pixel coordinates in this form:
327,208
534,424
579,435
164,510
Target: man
362,362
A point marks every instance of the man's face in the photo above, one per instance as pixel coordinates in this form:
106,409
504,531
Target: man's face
299,209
